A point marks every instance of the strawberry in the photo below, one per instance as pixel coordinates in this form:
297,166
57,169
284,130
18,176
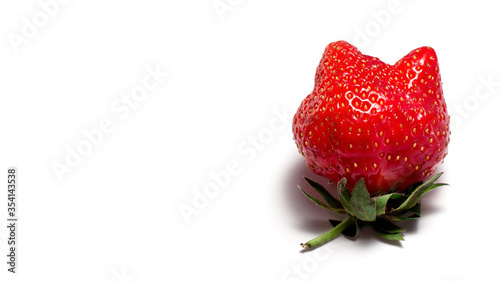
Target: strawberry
377,130
387,124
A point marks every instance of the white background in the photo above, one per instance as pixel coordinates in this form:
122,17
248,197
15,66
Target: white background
236,74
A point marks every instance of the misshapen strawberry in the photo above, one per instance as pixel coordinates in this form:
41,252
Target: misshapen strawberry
376,130
386,124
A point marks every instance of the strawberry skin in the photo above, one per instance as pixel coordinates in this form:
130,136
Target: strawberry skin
387,124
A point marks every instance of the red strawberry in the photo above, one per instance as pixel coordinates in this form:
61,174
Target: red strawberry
387,124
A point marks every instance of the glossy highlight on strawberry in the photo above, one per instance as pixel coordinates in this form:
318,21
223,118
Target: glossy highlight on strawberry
387,124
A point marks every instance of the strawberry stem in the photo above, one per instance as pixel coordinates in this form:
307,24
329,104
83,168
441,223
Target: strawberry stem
329,235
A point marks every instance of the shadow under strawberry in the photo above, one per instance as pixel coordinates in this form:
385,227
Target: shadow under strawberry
307,216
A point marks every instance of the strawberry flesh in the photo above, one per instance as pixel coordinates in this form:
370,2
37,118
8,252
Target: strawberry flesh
387,124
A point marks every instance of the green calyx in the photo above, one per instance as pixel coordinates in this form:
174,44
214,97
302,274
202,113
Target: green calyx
362,209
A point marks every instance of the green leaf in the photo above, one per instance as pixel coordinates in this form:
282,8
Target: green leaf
403,217
411,214
316,201
415,196
362,206
330,200
387,226
434,186
381,202
416,209
389,236
345,195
